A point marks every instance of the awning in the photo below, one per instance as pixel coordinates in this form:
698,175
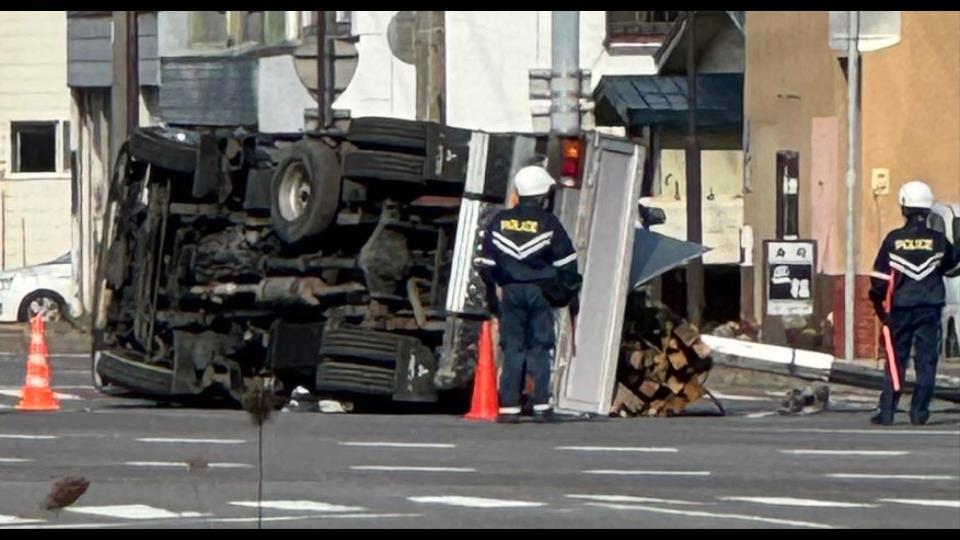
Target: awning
634,101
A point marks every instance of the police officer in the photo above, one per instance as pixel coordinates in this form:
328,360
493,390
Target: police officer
907,291
526,252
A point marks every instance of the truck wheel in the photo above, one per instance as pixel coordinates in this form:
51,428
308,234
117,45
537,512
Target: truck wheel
305,190
387,133
175,150
386,166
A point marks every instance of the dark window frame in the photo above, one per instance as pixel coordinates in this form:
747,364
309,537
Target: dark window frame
16,158
788,204
641,26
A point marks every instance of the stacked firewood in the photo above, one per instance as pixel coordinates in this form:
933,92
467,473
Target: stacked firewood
662,379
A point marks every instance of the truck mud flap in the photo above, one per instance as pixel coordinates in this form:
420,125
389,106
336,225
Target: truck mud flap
134,375
373,362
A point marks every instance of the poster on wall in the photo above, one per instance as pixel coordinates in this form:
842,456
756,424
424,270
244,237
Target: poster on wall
790,271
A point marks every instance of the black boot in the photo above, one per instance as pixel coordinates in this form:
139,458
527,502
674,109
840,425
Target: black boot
879,420
545,416
508,418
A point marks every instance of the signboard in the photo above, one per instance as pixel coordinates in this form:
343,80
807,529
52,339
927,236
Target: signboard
790,275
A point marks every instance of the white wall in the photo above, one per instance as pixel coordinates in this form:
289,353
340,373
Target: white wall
35,221
489,55
281,97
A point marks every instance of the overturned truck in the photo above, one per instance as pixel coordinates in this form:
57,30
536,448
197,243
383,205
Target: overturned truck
338,260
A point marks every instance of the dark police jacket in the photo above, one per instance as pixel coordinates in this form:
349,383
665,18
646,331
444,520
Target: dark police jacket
912,260
527,244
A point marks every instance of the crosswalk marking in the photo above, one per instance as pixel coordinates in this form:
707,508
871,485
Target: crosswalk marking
790,501
475,502
630,472
385,444
632,499
802,452
14,520
300,505
131,511
186,465
27,437
14,460
854,476
617,449
714,515
411,469
925,502
190,440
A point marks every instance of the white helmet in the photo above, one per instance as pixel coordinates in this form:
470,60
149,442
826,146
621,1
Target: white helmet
916,194
533,180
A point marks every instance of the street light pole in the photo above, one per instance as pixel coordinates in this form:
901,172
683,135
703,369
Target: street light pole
853,131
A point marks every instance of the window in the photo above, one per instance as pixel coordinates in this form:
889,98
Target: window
219,29
208,29
637,25
34,147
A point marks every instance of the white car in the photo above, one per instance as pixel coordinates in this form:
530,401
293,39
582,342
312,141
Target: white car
40,289
946,219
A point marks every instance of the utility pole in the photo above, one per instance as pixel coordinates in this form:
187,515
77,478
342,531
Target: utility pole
565,76
853,132
125,90
320,21
695,291
430,58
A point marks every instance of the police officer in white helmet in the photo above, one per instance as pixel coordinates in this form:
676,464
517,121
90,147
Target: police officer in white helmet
527,253
908,294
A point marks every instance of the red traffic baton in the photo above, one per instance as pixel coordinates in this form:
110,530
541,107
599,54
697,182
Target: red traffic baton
888,340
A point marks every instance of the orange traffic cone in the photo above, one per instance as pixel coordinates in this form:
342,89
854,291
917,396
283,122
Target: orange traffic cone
37,394
485,405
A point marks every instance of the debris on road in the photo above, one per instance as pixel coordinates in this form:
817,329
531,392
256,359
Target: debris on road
65,492
662,380
806,401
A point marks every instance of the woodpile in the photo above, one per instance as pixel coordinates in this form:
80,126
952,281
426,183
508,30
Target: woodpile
662,379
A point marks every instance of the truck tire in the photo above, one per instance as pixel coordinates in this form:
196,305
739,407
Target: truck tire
175,150
386,166
388,133
305,190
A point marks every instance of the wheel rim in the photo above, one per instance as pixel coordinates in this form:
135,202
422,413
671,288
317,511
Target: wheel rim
295,192
47,308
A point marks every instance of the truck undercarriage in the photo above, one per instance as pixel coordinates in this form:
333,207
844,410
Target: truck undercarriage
339,261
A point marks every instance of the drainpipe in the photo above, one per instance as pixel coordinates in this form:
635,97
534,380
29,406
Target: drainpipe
853,131
320,20
565,79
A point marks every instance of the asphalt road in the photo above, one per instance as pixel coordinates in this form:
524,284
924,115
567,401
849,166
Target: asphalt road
751,468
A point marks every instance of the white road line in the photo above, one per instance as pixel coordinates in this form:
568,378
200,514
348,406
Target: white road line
131,511
190,441
308,506
697,513
317,516
28,437
14,520
19,394
853,476
411,469
790,501
924,502
647,473
760,414
878,431
397,444
14,460
631,499
616,448
475,502
186,465
803,452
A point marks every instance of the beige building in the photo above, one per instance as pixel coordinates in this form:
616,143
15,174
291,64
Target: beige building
34,138
795,111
